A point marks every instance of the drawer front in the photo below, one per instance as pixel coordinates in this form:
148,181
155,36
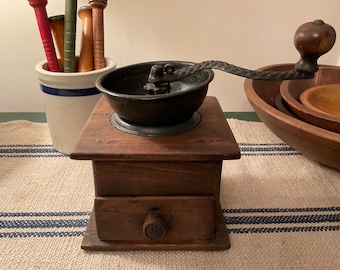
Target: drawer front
155,218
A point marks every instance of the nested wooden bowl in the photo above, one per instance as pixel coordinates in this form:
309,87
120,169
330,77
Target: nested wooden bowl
314,142
292,90
323,98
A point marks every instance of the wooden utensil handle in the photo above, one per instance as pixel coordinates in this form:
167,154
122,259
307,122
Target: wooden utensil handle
70,35
57,27
86,51
98,32
45,33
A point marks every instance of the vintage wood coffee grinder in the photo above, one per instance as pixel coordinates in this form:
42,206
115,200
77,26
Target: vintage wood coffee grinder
157,145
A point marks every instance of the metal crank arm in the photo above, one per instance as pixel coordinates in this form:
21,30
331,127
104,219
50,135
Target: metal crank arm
311,39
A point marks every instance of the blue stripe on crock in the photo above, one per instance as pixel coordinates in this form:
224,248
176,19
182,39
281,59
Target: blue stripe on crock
69,92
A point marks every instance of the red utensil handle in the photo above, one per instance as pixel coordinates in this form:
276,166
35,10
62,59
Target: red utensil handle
45,33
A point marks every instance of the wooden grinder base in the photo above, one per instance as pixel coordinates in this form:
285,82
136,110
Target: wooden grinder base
157,193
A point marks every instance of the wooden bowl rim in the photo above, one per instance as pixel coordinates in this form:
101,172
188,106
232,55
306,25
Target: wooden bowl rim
284,118
315,118
305,97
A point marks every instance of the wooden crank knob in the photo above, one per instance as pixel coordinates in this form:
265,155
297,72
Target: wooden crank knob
154,227
312,40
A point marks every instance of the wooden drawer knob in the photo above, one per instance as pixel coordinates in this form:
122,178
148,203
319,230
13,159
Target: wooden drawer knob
154,227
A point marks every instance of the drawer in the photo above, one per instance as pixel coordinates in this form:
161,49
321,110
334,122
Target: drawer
155,218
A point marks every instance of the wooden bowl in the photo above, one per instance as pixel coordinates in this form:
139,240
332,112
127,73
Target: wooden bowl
323,98
291,91
314,142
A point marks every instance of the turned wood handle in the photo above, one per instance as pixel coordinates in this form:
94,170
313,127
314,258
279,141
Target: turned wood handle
312,40
98,32
57,27
70,35
154,227
86,51
45,33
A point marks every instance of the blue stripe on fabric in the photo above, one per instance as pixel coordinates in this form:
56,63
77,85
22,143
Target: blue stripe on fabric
44,214
234,223
283,210
69,92
41,234
33,224
271,154
34,156
29,151
282,219
270,149
288,223
285,230
25,145
263,149
24,150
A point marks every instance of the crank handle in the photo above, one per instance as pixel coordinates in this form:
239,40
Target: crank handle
311,39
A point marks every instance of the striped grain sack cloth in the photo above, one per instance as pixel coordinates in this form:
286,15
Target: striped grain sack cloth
282,209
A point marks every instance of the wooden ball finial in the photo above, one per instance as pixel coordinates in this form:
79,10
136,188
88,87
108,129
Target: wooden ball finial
312,40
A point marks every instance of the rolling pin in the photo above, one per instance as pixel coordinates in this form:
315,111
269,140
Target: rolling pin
98,32
57,27
39,7
86,51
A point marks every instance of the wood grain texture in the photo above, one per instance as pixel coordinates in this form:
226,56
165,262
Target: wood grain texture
177,177
316,143
220,241
186,217
86,51
212,139
57,28
98,33
165,178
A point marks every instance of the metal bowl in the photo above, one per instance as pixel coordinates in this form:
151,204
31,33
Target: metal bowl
314,142
124,91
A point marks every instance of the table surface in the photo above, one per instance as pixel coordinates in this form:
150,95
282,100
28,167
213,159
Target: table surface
279,215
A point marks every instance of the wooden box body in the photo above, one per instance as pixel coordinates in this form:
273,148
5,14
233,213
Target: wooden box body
177,175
